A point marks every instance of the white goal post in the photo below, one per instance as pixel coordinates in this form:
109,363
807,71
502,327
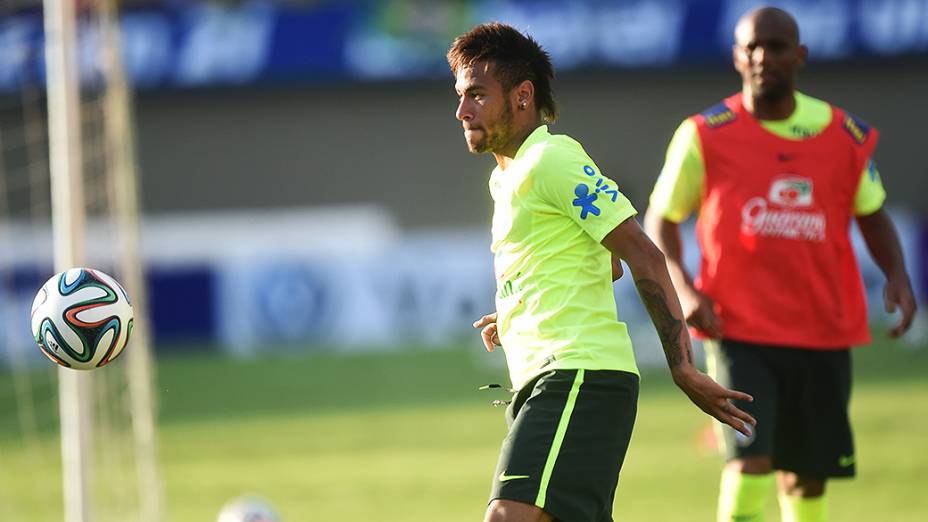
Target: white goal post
69,218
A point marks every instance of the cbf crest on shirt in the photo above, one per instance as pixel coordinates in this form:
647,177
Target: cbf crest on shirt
552,208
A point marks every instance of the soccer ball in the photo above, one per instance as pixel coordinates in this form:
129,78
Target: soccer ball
81,318
248,509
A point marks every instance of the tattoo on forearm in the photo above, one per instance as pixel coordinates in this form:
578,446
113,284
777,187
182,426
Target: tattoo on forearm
669,328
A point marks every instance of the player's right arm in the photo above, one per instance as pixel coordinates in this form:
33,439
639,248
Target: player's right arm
649,270
488,333
676,195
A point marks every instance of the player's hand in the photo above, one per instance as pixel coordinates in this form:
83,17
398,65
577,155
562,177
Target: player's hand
699,312
617,269
898,294
488,333
715,399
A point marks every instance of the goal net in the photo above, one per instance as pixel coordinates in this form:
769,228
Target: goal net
85,452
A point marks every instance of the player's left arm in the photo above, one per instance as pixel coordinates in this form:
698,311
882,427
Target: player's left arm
649,270
571,184
883,243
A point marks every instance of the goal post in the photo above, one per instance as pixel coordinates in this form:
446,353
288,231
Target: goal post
68,218
69,225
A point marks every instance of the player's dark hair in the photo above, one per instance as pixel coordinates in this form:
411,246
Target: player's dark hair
515,57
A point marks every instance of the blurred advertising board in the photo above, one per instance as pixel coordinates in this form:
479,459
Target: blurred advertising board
337,279
178,44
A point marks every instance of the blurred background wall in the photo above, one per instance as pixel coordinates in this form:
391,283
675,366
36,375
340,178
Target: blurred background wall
398,145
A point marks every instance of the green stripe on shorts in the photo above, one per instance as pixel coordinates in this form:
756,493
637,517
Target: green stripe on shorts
558,439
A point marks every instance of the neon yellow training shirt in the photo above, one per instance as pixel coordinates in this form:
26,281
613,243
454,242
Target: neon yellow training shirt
552,208
678,190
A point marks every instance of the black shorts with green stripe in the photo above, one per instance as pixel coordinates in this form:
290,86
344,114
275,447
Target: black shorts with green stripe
568,434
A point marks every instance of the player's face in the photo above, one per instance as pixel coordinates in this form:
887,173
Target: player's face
768,55
484,109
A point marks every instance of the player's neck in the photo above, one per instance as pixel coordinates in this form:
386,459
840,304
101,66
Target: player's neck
506,154
764,108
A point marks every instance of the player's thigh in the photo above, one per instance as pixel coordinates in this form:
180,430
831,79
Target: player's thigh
814,438
586,473
794,485
567,442
533,418
746,367
502,510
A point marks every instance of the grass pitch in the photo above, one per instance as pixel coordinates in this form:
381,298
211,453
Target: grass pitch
406,437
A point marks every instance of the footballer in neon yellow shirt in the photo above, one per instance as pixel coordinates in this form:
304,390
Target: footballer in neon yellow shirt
557,222
555,298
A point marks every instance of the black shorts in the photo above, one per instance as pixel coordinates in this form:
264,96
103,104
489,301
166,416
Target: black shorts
568,434
800,402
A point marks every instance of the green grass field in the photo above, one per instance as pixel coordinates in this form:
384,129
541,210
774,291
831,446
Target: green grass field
406,437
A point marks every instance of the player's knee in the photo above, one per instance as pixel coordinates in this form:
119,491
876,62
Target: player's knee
501,510
797,486
754,465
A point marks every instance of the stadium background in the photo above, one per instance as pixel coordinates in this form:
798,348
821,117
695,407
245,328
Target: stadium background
315,237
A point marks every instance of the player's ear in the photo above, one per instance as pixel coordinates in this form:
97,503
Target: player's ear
524,94
803,53
737,56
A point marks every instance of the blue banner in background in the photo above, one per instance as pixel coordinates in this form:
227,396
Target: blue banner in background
193,44
304,288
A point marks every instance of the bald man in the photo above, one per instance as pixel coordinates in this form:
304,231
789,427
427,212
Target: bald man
776,177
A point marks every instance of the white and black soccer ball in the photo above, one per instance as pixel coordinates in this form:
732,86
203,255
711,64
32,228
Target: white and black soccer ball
248,509
81,318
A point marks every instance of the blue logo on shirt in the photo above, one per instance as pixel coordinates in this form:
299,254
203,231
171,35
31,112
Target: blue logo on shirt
585,201
602,186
